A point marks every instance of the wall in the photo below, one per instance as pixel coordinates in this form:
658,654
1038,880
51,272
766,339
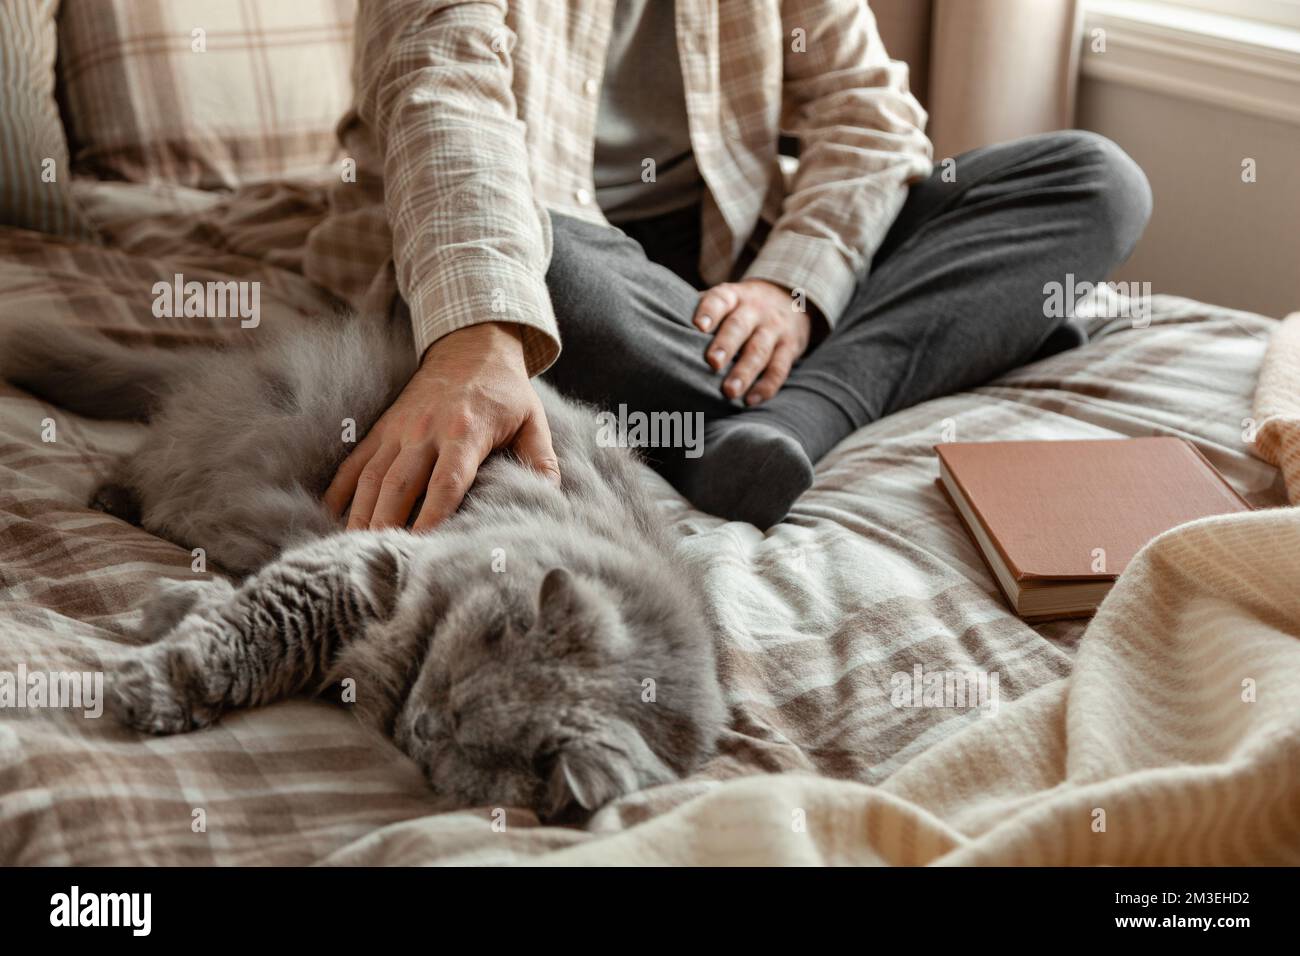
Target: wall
1212,237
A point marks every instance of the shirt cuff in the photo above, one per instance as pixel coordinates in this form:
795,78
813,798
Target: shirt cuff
470,291
814,266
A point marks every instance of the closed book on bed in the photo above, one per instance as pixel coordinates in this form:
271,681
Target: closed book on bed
1057,521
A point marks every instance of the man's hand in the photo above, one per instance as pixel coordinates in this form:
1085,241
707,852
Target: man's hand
757,320
470,395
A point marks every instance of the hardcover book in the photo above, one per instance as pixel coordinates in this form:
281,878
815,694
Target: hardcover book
1057,521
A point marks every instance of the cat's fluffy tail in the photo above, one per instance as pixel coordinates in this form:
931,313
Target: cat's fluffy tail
86,372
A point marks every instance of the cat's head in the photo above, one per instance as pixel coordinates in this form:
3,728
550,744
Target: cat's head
534,694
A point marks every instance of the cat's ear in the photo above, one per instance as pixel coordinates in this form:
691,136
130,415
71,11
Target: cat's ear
597,770
575,612
557,597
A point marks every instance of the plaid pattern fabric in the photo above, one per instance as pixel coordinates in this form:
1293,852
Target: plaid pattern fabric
63,281
269,222
872,575
204,94
34,174
449,206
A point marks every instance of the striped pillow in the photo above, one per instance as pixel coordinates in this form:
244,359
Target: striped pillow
211,94
34,187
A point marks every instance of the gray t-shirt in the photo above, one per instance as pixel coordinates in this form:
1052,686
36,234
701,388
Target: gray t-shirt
642,116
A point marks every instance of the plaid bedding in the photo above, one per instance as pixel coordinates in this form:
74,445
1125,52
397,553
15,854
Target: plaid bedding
210,95
871,576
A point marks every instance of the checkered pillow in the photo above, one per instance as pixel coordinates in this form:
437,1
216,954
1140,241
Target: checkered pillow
34,171
205,93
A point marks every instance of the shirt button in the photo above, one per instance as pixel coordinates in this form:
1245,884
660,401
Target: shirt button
583,196
590,87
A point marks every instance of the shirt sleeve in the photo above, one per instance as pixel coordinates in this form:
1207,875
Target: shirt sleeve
862,142
470,243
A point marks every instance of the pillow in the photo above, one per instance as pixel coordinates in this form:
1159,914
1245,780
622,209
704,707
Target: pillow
204,94
34,175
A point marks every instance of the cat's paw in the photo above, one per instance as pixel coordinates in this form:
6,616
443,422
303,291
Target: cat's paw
158,692
171,601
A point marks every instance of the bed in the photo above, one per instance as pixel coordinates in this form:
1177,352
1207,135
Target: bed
1163,731
871,577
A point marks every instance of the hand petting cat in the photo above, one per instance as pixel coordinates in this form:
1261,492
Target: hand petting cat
470,396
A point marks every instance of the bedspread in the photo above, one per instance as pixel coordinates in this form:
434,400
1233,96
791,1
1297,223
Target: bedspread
819,624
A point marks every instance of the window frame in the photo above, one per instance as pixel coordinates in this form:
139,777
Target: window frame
1282,13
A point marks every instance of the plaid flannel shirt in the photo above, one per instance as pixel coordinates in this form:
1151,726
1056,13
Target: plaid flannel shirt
473,118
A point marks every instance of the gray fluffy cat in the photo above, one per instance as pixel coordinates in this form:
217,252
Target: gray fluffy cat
508,652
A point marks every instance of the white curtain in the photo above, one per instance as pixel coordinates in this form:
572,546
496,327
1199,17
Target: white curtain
987,70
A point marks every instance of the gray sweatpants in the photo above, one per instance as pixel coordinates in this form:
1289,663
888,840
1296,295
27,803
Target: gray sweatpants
953,298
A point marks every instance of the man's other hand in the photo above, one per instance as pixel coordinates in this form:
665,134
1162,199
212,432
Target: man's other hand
757,324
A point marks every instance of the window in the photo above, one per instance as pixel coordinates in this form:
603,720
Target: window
1246,26
1284,13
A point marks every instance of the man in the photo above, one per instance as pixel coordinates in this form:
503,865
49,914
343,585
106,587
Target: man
496,143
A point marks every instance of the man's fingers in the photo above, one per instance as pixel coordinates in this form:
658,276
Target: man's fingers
452,475
735,329
778,370
344,483
533,446
369,484
753,359
406,480
714,305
